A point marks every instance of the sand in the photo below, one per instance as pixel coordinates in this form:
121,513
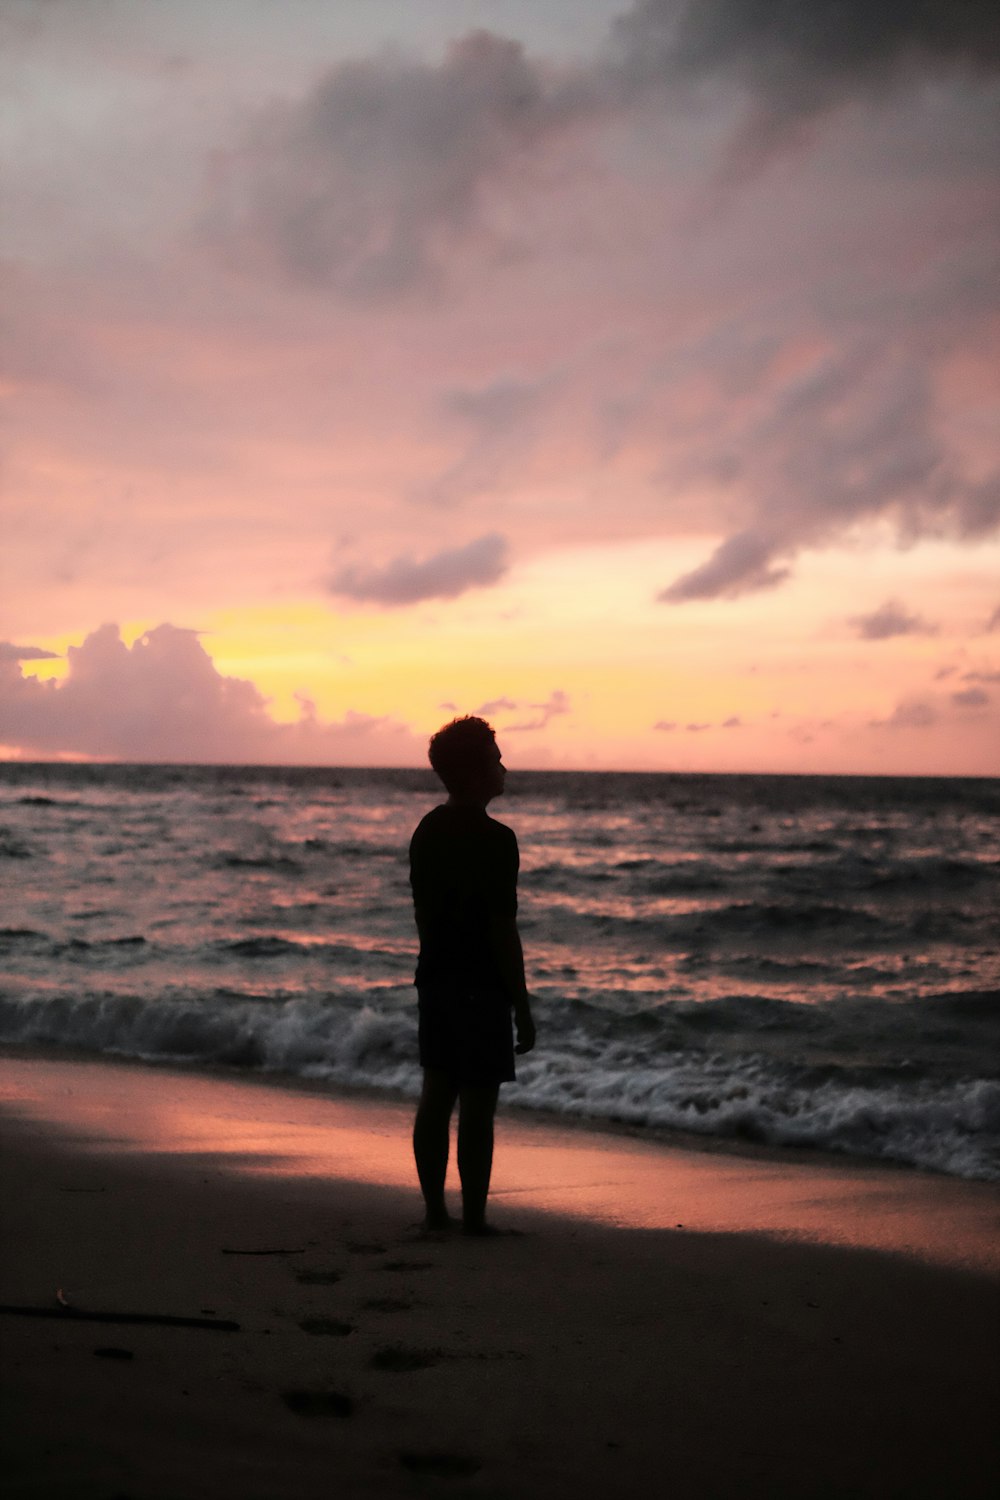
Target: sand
671,1321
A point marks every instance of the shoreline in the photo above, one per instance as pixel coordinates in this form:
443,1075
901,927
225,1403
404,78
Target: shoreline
544,1163
666,1137
809,1331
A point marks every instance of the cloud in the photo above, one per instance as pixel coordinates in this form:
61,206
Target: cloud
993,623
740,563
821,399
10,652
854,433
556,704
496,706
850,438
981,676
444,575
914,713
365,183
503,420
162,699
890,619
784,369
796,58
668,726
973,697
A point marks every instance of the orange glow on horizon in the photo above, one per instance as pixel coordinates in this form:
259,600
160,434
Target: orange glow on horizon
777,680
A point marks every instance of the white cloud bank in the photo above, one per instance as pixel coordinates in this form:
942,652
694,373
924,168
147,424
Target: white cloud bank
162,699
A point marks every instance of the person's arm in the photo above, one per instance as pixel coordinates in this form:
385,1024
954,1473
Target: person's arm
506,941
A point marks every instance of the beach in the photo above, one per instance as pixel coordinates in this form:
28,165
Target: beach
667,1320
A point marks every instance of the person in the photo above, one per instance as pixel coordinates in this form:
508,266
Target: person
470,969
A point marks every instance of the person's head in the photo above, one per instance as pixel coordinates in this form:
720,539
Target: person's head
467,758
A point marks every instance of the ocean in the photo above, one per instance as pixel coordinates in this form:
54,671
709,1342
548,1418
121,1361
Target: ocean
797,960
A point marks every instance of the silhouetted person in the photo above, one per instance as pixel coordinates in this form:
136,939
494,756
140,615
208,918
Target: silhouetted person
470,972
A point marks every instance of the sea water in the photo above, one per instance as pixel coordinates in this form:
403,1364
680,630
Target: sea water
807,961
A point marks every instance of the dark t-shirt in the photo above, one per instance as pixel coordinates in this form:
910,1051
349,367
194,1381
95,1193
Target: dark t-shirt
463,871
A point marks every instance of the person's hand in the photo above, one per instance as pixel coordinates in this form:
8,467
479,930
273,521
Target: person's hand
525,1027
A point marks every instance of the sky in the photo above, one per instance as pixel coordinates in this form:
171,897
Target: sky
626,373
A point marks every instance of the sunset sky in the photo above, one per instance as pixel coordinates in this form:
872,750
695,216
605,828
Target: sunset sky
627,373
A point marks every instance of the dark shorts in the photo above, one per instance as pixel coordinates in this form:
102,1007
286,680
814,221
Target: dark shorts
467,1033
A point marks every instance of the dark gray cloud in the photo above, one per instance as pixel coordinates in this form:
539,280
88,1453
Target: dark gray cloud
162,699
364,184
993,623
981,676
10,652
891,619
444,575
665,726
802,56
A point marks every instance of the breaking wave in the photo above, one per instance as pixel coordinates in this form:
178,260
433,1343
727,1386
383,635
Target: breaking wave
647,1070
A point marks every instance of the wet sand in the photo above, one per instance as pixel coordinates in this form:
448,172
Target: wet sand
670,1321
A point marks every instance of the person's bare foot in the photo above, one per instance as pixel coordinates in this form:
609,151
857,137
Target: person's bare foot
436,1224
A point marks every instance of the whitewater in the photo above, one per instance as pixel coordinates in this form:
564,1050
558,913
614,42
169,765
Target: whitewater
802,961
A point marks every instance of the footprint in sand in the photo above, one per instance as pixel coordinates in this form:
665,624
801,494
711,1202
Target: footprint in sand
364,1247
317,1278
318,1403
332,1326
408,1265
388,1304
395,1358
441,1465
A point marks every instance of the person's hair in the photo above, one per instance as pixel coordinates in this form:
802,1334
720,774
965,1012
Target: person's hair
461,749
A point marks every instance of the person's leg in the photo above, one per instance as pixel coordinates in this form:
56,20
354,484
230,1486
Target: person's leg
430,1143
476,1108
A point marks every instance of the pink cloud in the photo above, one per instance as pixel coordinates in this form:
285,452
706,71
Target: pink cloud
557,703
10,652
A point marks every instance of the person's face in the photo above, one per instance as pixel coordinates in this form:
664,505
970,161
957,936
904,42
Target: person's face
488,779
495,774
484,780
